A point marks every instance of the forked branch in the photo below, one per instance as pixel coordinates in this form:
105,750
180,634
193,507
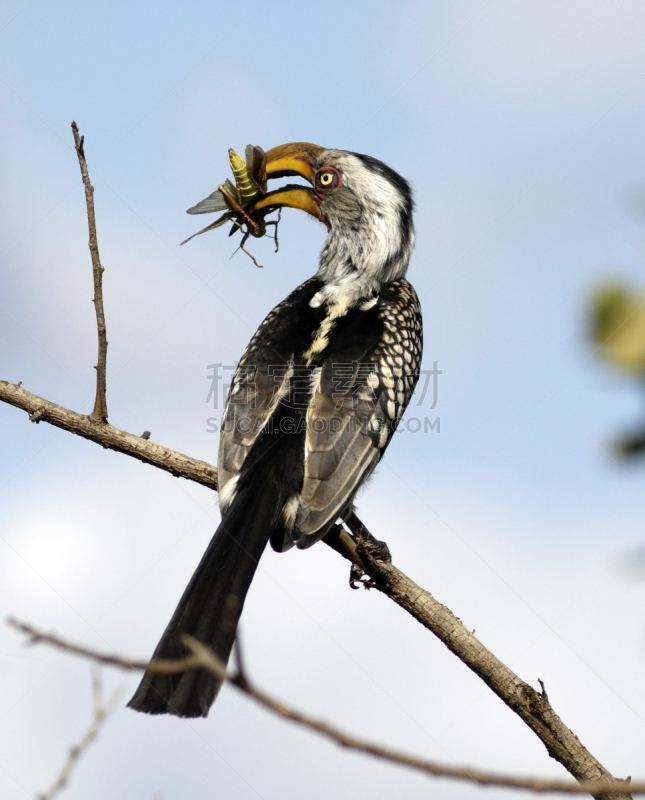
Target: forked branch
202,657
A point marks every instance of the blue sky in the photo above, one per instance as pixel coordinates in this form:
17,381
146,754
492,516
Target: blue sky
519,125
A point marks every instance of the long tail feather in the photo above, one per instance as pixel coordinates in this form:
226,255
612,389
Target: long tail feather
210,607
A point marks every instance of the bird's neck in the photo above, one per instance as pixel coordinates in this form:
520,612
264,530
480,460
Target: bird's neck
357,261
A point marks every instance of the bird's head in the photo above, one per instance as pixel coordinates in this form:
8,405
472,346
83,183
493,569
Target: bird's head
366,206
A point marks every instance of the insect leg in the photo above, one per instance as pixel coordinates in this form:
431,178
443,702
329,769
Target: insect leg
275,234
250,222
250,255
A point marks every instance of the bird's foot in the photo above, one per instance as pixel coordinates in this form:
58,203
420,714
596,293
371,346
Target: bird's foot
352,547
374,547
369,549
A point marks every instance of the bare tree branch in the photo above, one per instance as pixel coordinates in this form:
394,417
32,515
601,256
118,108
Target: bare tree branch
369,557
100,412
41,410
531,706
203,658
101,713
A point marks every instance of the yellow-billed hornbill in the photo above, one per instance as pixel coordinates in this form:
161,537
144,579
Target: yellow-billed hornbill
314,401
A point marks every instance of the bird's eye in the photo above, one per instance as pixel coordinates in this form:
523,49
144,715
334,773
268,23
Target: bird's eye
328,178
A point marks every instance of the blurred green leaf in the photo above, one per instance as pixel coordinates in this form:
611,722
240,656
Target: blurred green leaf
618,327
630,446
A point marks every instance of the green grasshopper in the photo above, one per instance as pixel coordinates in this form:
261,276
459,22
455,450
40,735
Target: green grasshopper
248,188
232,198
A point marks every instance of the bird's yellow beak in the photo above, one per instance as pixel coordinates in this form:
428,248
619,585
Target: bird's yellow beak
299,159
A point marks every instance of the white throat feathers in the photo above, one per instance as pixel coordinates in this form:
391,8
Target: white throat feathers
371,234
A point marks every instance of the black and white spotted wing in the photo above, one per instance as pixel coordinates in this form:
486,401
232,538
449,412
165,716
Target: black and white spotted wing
336,378
358,399
262,379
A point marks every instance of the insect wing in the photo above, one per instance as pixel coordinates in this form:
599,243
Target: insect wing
256,163
214,202
224,218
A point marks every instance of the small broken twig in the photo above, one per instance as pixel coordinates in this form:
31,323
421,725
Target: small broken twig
100,412
109,436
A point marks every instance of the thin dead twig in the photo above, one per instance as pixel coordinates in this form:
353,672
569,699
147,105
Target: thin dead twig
167,667
203,658
101,714
100,412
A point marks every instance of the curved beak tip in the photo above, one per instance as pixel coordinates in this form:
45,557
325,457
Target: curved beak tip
294,159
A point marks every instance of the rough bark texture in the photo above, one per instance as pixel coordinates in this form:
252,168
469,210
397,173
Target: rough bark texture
100,412
531,706
41,410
